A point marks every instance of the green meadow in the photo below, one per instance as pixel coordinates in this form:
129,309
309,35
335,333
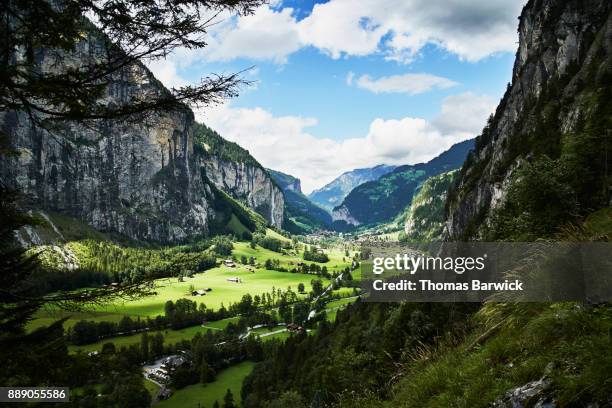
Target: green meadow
223,292
204,396
170,336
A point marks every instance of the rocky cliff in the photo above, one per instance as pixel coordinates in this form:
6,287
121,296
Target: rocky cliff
556,110
249,184
142,180
233,170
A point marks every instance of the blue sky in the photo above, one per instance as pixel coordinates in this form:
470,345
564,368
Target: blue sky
348,84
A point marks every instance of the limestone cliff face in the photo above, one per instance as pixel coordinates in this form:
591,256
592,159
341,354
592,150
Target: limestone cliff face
140,179
248,183
565,45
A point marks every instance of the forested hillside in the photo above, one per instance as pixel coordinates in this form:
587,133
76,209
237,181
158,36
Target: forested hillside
423,220
383,199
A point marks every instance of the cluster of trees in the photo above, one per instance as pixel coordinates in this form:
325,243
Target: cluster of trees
123,264
184,313
210,353
177,315
315,256
313,268
222,245
247,261
271,243
104,262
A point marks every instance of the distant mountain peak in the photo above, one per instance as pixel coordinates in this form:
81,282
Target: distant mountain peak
332,194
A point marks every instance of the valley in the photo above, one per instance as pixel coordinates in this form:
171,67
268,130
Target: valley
161,246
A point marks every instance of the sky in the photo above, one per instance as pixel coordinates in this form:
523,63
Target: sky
345,84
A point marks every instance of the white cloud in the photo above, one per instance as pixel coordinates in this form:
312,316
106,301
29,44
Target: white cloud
267,34
411,84
166,71
465,112
283,142
399,29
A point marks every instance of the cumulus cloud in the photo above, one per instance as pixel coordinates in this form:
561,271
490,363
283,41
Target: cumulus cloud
399,29
411,84
284,143
465,113
267,34
166,71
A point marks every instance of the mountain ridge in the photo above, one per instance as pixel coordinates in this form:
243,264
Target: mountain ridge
332,194
381,200
547,128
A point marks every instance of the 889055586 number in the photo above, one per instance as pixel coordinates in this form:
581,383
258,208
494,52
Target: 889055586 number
34,394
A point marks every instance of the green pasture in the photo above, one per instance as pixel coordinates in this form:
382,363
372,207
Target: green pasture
223,292
199,395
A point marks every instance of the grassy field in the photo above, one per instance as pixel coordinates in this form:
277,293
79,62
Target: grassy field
273,234
170,336
206,395
152,388
332,307
171,289
335,304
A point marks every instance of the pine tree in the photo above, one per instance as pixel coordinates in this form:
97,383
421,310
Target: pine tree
228,399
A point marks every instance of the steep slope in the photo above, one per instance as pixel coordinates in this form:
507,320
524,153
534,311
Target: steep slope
541,160
286,181
424,220
332,194
301,215
383,199
233,170
141,179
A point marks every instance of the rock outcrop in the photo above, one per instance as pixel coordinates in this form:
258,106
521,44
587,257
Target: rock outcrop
563,61
248,183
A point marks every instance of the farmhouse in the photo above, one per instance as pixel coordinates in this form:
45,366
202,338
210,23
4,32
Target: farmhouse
230,263
235,280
